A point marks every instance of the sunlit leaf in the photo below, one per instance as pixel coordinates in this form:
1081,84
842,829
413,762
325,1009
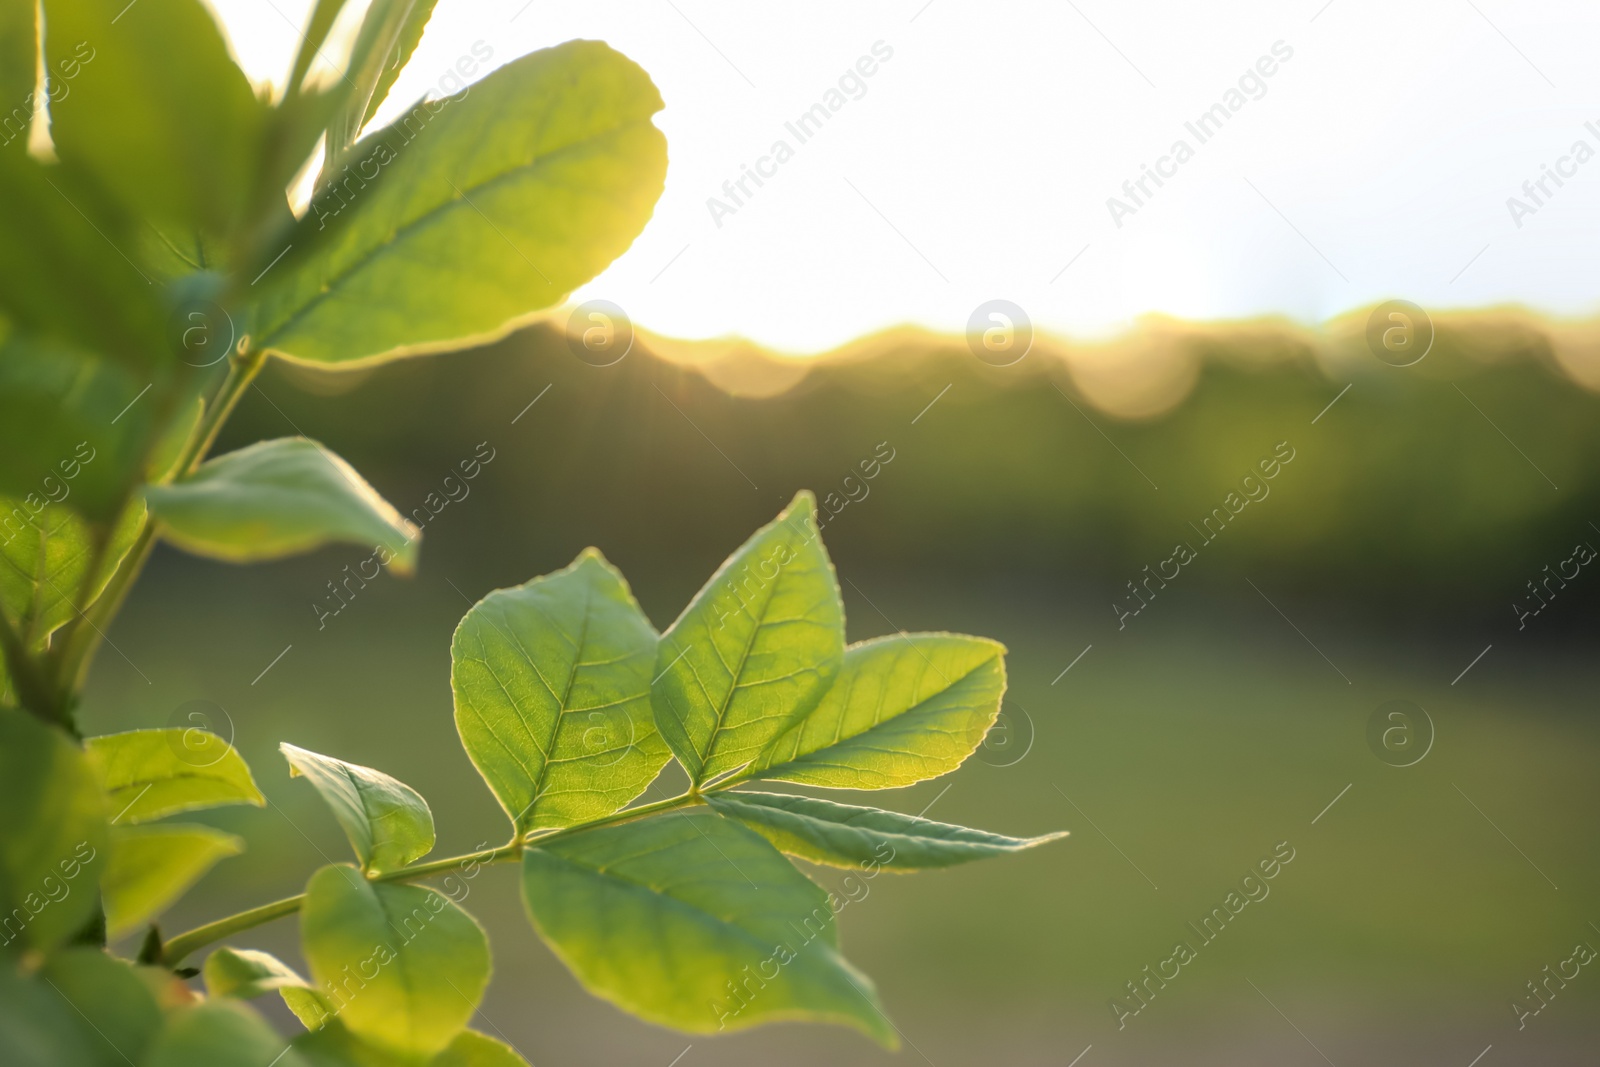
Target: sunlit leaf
388,823
472,1049
754,651
220,1033
149,774
693,921
335,1046
389,35
52,852
152,866
278,498
45,560
844,835
245,973
428,960
176,141
552,688
111,998
905,708
457,222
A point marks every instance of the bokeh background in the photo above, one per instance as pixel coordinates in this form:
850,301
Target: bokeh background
1179,745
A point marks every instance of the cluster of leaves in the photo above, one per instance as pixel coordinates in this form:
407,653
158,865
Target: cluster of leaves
149,263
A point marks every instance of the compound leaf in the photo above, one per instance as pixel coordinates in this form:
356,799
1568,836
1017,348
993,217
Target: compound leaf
470,213
388,823
152,866
149,774
277,498
220,1033
755,650
844,835
552,693
905,709
52,851
667,916
428,959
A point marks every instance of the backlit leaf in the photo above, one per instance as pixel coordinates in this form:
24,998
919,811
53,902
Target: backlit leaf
388,823
843,835
45,556
457,222
152,866
53,849
754,651
150,774
427,959
552,690
244,973
905,708
692,921
278,498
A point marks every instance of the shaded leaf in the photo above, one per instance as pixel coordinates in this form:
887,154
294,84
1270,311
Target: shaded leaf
428,959
220,1033
38,1028
388,823
52,852
552,693
149,774
152,866
278,498
905,709
45,557
176,141
110,996
754,651
844,835
456,223
19,67
668,916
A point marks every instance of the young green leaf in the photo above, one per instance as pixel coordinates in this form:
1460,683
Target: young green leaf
472,1049
388,823
45,556
552,692
52,851
150,774
278,498
333,1045
692,921
309,1006
246,973
428,961
388,36
176,141
470,213
843,835
754,651
220,1033
152,866
111,997
905,708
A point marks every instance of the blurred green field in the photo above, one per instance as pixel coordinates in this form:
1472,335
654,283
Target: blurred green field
1190,742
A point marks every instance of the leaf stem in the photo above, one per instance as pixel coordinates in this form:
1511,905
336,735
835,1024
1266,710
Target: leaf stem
181,945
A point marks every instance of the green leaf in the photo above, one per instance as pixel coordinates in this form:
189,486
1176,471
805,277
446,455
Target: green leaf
455,224
312,1008
905,709
71,426
220,1033
668,917
335,1046
152,866
52,851
428,959
322,19
109,996
176,141
844,835
45,556
472,1049
38,1028
278,498
246,973
388,823
756,649
150,774
19,65
552,691
397,27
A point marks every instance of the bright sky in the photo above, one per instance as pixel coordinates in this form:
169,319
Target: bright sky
976,161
